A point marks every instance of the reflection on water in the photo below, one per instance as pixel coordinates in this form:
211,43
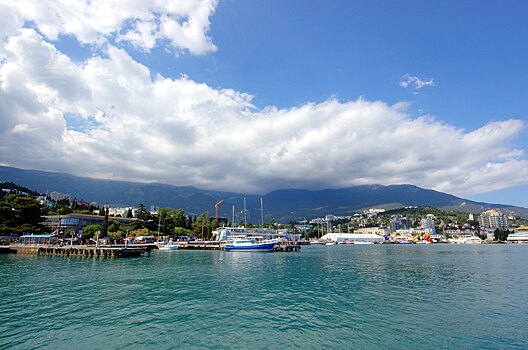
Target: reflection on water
344,296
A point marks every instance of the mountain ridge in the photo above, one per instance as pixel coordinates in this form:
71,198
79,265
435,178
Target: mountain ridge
282,205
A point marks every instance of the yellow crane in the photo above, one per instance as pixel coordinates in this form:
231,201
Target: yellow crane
216,208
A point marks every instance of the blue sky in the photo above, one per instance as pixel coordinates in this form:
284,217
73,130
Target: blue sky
260,95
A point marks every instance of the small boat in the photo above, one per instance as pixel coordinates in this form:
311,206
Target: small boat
168,246
250,245
317,242
330,243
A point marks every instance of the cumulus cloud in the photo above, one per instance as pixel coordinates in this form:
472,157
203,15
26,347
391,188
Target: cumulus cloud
140,126
413,81
183,24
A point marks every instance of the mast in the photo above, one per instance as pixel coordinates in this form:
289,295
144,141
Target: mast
233,219
261,212
245,212
159,222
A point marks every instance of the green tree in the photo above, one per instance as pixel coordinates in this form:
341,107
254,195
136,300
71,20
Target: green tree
114,226
501,235
104,227
90,231
142,213
202,227
19,214
180,231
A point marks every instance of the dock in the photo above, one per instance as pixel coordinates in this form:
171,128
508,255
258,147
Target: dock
287,247
77,250
121,251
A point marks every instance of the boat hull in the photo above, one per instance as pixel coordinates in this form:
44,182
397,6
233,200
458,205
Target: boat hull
264,247
169,247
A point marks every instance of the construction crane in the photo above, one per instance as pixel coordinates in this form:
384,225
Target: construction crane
216,208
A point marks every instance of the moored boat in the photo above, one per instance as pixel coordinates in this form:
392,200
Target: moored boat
520,235
168,246
250,245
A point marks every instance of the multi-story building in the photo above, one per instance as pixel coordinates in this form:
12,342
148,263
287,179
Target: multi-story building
398,223
428,223
493,219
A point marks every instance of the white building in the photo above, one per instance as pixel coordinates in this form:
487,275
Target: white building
353,237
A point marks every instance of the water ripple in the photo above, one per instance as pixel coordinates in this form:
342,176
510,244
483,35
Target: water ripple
373,297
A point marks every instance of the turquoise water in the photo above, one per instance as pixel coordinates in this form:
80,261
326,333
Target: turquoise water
370,297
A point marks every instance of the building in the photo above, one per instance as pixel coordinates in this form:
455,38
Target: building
428,223
380,231
77,222
353,237
493,219
398,223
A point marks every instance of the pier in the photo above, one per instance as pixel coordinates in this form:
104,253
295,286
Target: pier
80,250
287,247
135,250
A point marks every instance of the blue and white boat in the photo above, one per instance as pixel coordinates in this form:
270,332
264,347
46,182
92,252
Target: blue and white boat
250,245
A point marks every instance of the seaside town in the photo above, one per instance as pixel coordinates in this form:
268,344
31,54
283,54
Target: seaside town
57,219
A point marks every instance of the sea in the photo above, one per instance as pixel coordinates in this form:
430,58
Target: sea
322,297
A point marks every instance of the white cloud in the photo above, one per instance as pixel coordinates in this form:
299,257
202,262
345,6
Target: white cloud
186,133
183,24
413,81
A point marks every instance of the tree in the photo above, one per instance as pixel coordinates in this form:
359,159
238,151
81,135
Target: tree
142,213
501,235
104,227
129,214
202,227
114,226
180,231
19,214
90,231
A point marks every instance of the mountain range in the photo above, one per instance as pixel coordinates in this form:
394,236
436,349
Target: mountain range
281,205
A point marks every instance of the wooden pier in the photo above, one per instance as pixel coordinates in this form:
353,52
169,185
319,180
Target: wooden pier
86,251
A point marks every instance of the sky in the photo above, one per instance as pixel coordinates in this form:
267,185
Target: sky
257,95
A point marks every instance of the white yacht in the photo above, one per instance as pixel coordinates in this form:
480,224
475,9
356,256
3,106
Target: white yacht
520,235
